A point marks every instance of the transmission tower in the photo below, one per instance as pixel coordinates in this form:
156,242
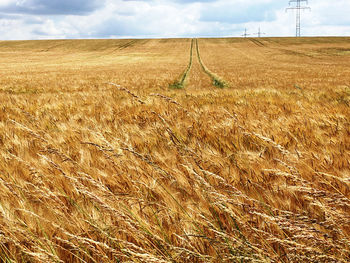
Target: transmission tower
259,33
245,33
298,9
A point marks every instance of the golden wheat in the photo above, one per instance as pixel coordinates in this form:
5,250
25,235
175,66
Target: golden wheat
133,171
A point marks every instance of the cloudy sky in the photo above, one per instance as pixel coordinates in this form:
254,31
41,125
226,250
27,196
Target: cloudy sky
52,19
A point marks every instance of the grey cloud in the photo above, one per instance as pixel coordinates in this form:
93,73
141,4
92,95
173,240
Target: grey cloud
53,7
9,17
39,32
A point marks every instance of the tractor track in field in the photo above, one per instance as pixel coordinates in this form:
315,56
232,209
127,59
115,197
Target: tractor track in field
257,42
181,83
196,67
128,44
216,81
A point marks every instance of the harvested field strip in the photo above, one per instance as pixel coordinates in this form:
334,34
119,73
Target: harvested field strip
217,81
180,84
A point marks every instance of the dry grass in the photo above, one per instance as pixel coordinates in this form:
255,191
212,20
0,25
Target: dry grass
256,172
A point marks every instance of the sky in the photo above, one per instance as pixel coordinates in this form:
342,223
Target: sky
71,19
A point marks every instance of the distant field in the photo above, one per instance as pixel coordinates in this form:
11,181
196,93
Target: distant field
175,150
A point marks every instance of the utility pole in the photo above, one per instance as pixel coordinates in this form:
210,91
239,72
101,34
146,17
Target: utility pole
245,33
298,9
259,33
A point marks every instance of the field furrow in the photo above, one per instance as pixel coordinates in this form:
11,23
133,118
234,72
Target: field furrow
198,80
180,84
217,81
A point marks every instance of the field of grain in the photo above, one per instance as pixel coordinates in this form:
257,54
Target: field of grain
176,150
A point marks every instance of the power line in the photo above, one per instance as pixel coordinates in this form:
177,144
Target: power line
298,9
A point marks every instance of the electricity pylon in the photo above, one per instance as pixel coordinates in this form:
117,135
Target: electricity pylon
245,33
259,33
298,9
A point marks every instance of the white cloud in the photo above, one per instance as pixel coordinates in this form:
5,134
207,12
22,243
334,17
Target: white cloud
5,2
165,18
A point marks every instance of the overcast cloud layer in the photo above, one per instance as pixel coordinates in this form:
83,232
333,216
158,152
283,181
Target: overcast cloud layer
51,19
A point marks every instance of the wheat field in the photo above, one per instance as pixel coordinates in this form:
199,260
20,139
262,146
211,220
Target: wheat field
175,150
